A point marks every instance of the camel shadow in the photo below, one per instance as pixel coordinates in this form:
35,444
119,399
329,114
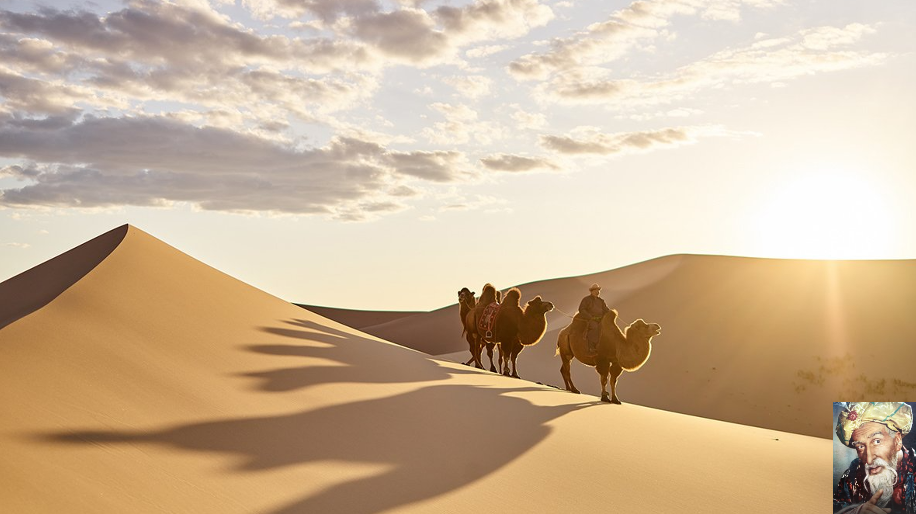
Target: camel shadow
431,440
368,362
414,436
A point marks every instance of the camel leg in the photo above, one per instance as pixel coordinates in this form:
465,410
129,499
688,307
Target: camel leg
475,350
471,345
603,369
616,370
567,377
506,357
480,346
566,357
515,353
490,355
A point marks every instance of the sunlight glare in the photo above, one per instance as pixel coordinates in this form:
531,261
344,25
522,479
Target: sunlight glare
826,215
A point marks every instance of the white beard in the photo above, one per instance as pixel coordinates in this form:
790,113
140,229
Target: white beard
884,480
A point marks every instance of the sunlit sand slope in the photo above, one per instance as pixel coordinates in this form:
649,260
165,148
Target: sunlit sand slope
155,383
763,342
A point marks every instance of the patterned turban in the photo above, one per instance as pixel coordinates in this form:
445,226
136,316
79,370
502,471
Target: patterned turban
898,416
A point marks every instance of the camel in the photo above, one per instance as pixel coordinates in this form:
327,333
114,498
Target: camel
466,304
515,328
617,351
488,295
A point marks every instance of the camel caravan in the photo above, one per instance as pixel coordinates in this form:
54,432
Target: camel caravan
502,323
592,337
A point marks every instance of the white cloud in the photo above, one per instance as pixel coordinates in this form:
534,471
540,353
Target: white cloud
461,125
518,163
630,28
485,51
591,141
776,61
529,121
470,86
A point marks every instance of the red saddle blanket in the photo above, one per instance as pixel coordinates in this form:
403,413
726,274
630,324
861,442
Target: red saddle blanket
485,323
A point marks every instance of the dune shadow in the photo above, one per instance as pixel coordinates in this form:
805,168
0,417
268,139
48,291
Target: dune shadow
33,289
428,442
364,360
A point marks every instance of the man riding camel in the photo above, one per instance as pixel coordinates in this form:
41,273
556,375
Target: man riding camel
592,308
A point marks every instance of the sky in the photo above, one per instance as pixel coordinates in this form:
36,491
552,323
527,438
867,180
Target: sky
383,154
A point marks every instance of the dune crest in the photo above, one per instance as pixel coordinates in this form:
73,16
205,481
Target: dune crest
36,287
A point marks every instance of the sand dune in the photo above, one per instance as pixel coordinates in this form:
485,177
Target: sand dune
358,318
154,383
762,342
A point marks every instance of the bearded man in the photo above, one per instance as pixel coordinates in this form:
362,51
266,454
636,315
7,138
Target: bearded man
880,479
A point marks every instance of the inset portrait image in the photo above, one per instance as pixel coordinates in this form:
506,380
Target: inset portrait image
874,461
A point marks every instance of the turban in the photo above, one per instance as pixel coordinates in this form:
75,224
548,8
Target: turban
898,416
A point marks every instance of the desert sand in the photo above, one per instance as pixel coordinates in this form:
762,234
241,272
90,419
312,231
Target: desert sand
141,380
762,342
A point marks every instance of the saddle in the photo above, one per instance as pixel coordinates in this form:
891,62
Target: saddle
487,319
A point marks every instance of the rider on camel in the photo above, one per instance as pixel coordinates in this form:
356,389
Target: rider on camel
591,309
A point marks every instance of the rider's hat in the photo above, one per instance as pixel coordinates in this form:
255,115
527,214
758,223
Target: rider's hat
594,286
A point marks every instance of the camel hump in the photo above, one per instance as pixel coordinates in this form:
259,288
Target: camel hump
513,297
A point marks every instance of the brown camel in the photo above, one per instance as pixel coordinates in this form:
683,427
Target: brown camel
466,304
515,328
617,351
488,295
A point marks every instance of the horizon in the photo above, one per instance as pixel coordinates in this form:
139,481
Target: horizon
382,155
505,288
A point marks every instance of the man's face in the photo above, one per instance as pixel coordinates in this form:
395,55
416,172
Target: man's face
595,292
874,440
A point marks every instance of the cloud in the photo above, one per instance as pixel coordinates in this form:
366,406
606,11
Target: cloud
440,166
31,95
422,37
517,163
493,19
325,10
630,28
409,34
771,61
151,161
485,51
163,52
470,86
591,141
460,126
527,120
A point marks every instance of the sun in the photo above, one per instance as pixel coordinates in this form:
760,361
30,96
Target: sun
826,214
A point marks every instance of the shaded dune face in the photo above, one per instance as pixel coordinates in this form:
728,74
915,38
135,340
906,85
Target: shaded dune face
33,289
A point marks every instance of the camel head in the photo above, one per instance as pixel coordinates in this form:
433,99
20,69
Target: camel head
643,329
539,306
466,295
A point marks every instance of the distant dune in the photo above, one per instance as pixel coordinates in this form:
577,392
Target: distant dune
763,342
143,381
358,318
